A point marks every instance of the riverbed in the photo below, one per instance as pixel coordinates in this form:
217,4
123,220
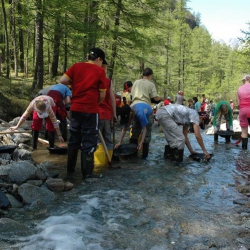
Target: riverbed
151,204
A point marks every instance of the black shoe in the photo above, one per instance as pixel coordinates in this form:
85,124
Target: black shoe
72,159
244,143
167,152
177,154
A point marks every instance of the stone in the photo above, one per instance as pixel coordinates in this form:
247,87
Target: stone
13,201
56,185
68,186
4,201
30,194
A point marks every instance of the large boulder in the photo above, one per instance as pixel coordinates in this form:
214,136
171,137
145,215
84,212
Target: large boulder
17,172
31,194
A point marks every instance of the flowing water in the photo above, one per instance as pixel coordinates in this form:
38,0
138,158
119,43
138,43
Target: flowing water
151,204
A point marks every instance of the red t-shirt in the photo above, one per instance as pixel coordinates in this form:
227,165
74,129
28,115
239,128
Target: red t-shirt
105,108
87,80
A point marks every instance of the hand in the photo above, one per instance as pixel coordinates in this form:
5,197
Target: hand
13,128
60,138
140,146
207,156
193,152
117,145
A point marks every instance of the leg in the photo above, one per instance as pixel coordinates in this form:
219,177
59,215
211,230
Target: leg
35,135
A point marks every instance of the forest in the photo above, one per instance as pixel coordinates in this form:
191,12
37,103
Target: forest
40,39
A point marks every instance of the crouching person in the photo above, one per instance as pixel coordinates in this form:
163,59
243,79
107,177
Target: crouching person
175,120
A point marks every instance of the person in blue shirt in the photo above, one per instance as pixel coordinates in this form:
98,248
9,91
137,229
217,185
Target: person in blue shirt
197,104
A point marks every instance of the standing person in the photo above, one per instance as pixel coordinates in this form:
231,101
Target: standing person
42,107
126,93
61,95
232,104
107,112
222,109
179,98
143,91
243,101
87,80
197,104
175,120
190,103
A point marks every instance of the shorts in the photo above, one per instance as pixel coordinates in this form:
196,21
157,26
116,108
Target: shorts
243,115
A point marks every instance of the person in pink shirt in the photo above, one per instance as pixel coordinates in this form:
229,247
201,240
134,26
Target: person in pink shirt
243,100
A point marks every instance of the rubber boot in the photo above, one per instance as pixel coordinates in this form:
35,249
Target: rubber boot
167,152
216,137
64,129
35,134
145,148
244,143
87,165
177,154
227,139
72,158
51,137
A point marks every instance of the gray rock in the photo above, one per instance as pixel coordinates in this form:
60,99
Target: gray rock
18,172
30,194
37,183
21,138
24,154
41,172
56,185
11,226
13,201
4,201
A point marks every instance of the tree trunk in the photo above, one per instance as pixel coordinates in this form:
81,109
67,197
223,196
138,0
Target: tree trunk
39,67
20,36
6,41
56,47
65,64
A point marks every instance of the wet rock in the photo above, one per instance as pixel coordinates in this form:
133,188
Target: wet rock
11,226
68,186
30,194
18,172
13,201
240,201
37,183
243,189
4,202
21,138
24,155
41,172
56,185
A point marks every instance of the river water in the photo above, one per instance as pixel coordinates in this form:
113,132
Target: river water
151,204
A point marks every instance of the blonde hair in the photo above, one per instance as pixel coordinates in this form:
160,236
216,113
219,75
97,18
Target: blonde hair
40,105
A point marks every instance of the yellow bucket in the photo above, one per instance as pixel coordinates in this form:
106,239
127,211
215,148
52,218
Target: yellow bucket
130,134
100,158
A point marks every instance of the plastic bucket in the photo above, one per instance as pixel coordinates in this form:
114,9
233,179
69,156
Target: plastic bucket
100,158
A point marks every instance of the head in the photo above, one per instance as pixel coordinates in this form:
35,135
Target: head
128,86
190,101
147,73
203,95
195,99
97,56
179,99
246,78
40,106
231,101
223,109
168,98
206,100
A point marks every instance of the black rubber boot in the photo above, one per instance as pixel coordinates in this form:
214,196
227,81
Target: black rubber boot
216,137
51,137
244,143
72,159
35,134
227,139
145,149
87,165
167,152
64,129
177,154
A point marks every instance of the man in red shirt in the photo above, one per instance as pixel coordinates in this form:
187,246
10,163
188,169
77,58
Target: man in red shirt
87,80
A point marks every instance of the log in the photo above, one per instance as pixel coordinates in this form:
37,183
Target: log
15,132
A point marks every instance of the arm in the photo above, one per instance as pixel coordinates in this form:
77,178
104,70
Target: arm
187,142
123,132
200,140
65,80
101,96
144,131
113,102
67,100
157,98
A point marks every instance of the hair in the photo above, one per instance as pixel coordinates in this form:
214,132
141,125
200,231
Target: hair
190,100
92,57
223,110
40,105
195,99
127,85
147,72
203,95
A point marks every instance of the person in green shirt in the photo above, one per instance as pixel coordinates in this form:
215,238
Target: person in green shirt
222,109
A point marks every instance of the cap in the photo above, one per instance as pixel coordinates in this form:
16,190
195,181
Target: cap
166,102
168,98
246,77
231,100
98,53
206,100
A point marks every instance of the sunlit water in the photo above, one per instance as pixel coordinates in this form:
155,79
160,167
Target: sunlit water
150,204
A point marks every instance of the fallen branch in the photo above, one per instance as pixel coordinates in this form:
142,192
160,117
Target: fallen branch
15,132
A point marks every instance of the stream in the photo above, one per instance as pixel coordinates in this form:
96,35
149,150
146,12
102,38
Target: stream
151,204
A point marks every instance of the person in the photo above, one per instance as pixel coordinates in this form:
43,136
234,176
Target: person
190,103
61,95
175,120
179,98
222,109
243,101
143,91
232,104
42,107
87,80
126,93
107,112
212,104
203,98
197,104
